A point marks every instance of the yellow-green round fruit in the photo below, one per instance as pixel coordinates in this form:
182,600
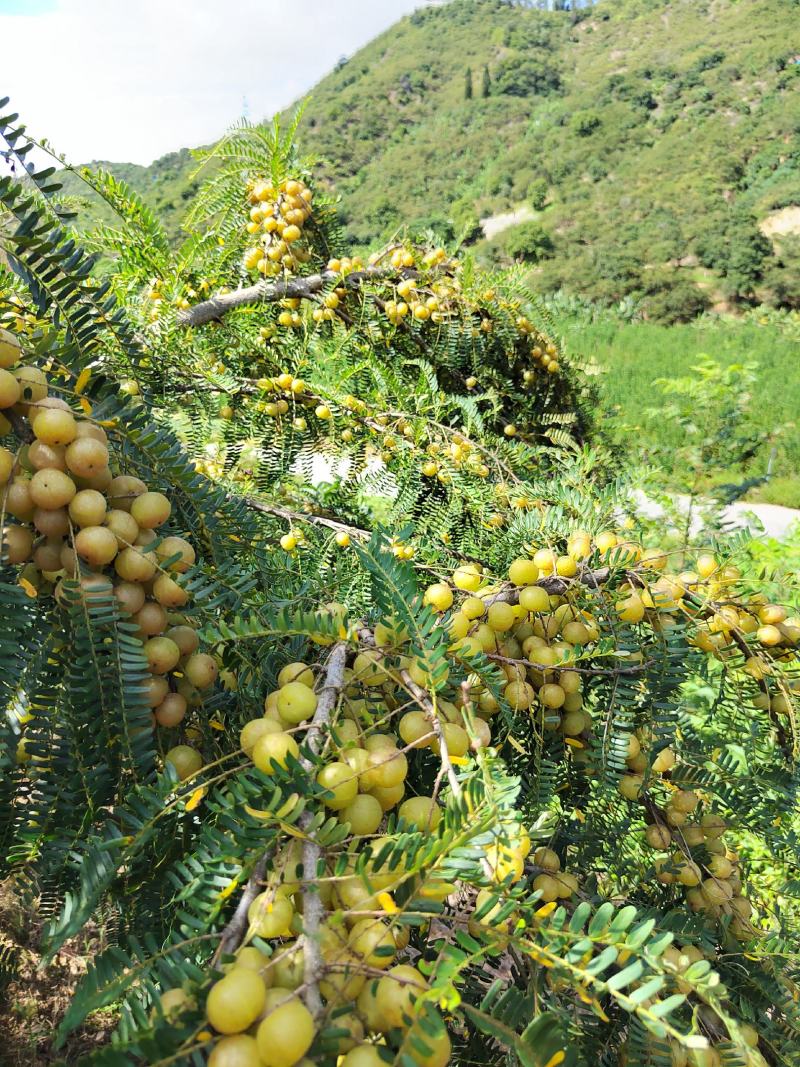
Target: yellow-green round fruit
467,577
296,702
201,670
439,596
286,1032
185,759
423,813
414,726
270,915
272,751
296,672
176,546
364,814
253,731
97,545
10,350
438,1047
237,1050
253,959
236,1001
373,941
630,786
10,390
501,617
86,457
523,572
167,592
151,510
173,1002
87,508
368,668
162,655
172,710
549,886
534,598
396,993
547,859
658,836
341,782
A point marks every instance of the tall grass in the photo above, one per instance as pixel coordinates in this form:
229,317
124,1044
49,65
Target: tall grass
631,356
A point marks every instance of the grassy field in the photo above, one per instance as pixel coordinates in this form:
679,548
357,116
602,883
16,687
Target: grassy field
632,356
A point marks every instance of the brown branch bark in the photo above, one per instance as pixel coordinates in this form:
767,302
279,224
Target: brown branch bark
313,911
265,292
235,930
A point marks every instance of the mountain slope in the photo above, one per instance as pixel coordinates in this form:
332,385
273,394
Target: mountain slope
650,136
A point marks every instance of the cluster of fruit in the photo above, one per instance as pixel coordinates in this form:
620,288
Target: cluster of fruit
82,530
278,213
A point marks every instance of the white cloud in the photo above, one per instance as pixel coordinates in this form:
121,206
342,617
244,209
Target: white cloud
133,79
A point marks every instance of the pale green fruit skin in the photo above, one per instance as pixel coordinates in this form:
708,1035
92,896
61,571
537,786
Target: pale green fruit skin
296,702
364,814
186,761
342,781
236,1001
271,750
270,915
395,1000
422,813
237,1050
285,1034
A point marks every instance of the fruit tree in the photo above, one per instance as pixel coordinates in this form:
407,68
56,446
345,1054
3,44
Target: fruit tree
338,682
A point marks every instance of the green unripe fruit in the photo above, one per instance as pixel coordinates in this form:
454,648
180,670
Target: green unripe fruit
236,1001
201,670
341,781
364,814
186,761
132,565
423,813
296,672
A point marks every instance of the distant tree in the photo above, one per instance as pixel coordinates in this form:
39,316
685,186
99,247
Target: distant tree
529,242
468,83
537,193
526,75
585,122
739,251
486,87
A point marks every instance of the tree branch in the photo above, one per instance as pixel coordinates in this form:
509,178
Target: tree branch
235,930
265,292
424,701
312,903
302,516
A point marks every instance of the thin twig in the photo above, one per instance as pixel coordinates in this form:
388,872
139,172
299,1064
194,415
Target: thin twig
302,516
424,701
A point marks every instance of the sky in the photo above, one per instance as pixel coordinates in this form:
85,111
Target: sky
129,80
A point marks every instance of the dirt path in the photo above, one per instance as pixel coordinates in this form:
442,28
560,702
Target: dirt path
776,520
495,224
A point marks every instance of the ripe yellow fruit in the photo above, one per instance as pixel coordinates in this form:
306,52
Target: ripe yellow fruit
422,813
237,1050
630,786
439,596
287,1030
236,1001
341,782
534,599
54,427
150,509
658,836
10,390
271,751
270,915
296,702
523,572
467,577
253,731
396,994
364,814
501,617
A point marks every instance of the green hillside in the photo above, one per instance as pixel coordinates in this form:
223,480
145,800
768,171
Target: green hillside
645,140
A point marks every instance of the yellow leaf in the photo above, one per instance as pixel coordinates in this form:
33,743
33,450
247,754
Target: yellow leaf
215,724
598,1010
107,422
517,745
29,587
573,742
257,813
83,380
386,901
579,815
624,956
459,761
229,888
545,910
556,1058
195,798
84,403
